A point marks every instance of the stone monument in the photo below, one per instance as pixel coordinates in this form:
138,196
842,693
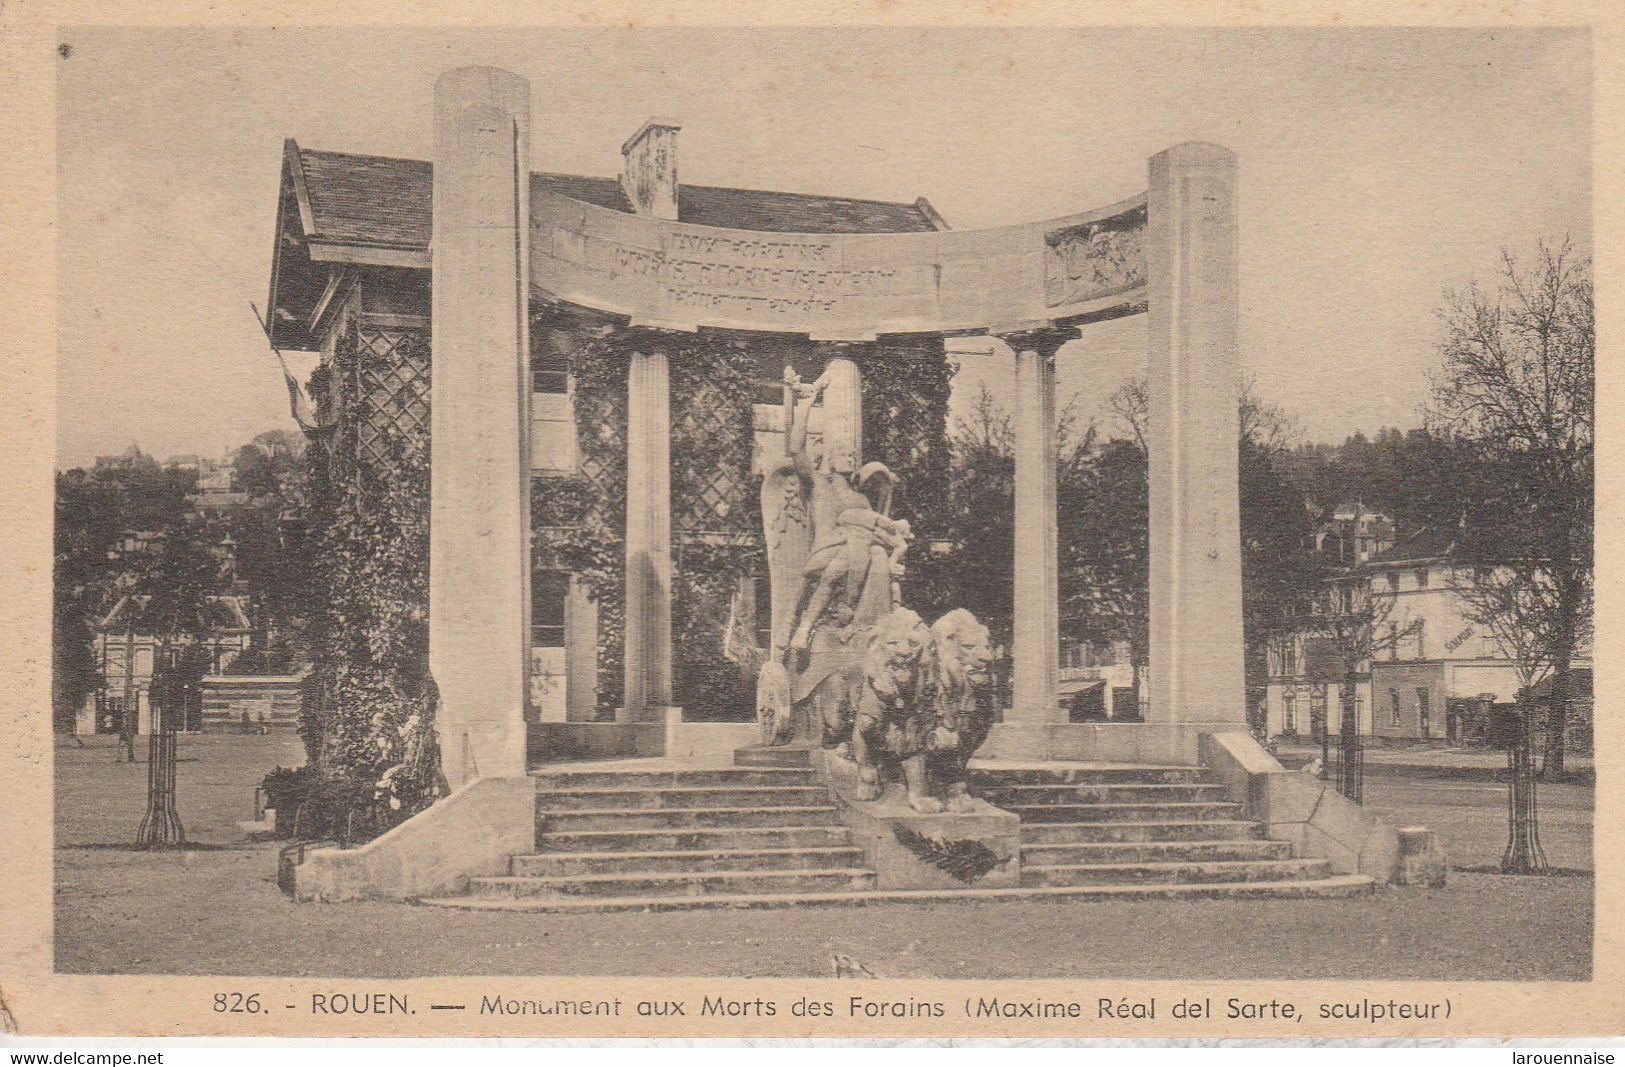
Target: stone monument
851,670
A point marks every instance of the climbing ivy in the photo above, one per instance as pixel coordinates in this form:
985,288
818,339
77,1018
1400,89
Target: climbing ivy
369,723
579,521
716,513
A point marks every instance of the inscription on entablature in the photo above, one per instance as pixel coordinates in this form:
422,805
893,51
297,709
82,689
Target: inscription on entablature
687,274
1094,259
695,244
745,303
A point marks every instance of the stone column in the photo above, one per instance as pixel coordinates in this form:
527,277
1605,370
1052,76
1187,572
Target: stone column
843,412
1035,648
479,535
648,537
580,654
1195,379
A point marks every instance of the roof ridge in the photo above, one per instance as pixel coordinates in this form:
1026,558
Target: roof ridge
912,204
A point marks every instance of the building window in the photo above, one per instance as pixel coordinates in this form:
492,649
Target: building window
549,373
1393,704
1289,659
1289,713
1423,712
1421,639
1393,581
1393,641
1421,578
548,592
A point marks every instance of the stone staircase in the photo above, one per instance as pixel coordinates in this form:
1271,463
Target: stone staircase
624,839
628,838
1098,826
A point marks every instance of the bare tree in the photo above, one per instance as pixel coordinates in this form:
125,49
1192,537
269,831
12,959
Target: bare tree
1266,425
1518,389
1357,626
1131,404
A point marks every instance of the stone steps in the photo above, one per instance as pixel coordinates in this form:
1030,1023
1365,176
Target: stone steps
699,839
1003,773
766,833
667,818
1334,887
1102,827
1102,793
1224,871
681,797
674,778
1172,811
689,883
1165,830
549,864
1153,852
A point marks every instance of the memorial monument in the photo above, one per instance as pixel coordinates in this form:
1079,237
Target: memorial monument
600,350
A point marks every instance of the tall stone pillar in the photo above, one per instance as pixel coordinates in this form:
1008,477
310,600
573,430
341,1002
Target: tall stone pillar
580,654
479,534
1195,380
1036,644
648,537
843,412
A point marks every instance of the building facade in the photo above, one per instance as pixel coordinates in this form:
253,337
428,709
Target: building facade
1433,673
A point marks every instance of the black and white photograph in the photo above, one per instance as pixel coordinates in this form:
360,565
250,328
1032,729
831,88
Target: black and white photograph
851,504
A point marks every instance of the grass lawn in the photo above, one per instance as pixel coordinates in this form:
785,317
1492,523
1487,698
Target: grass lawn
217,910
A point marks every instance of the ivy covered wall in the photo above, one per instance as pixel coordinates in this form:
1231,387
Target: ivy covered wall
368,727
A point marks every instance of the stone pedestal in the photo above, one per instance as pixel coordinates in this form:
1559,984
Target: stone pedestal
909,850
1036,639
479,539
1195,381
648,538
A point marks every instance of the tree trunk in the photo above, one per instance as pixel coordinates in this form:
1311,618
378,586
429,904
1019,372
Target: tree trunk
1557,718
127,725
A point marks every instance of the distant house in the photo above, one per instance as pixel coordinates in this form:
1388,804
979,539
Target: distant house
1435,673
126,655
129,458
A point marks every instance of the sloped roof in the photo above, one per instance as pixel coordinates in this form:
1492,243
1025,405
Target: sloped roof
342,207
1434,542
380,200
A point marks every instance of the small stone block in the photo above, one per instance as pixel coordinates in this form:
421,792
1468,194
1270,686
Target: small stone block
1421,858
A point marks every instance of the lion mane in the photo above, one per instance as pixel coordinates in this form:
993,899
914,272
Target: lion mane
961,652
891,661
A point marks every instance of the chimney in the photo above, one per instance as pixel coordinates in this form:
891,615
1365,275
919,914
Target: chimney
649,169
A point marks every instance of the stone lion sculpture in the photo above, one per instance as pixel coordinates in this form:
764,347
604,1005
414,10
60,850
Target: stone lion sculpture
960,659
921,706
888,714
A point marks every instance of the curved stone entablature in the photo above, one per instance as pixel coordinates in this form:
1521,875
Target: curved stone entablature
838,286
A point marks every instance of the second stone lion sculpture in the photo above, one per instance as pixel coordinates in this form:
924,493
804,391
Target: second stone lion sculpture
921,711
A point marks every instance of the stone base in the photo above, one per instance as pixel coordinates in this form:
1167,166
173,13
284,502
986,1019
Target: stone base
910,850
472,832
1102,742
792,755
1319,822
559,742
1421,858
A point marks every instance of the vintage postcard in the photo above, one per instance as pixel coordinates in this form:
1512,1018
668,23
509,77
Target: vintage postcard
914,522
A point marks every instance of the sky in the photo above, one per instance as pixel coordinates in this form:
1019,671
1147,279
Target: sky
1377,169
